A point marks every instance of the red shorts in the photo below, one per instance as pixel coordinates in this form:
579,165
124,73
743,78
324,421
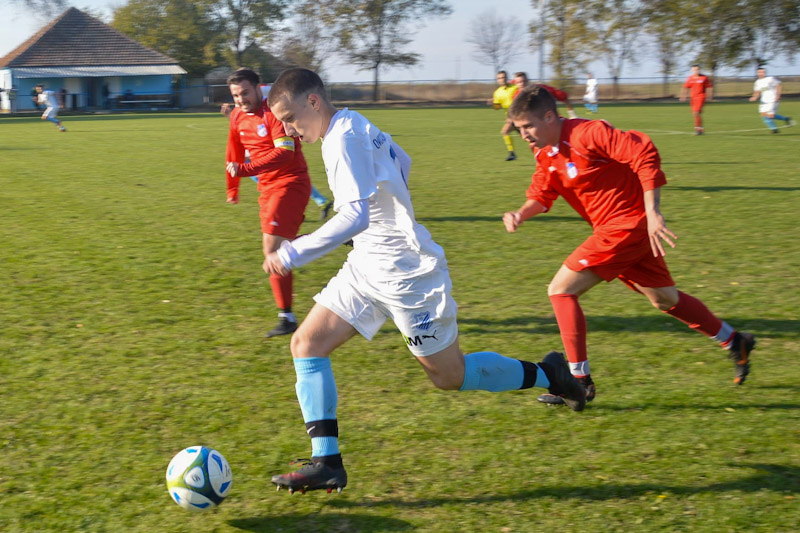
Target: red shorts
697,104
282,209
623,254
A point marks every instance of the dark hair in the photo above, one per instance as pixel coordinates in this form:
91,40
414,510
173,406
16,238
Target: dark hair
503,72
244,74
695,65
521,75
296,82
532,99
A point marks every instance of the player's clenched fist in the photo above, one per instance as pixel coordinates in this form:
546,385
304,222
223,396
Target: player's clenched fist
274,265
232,169
512,220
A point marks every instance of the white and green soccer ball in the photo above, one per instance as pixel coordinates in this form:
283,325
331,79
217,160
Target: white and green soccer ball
199,478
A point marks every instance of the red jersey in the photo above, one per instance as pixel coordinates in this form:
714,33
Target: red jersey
697,85
275,158
558,94
602,172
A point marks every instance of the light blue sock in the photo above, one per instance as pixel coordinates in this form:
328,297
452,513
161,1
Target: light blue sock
316,392
318,197
53,120
769,122
493,372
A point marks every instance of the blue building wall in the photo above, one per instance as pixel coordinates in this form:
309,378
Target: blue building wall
83,93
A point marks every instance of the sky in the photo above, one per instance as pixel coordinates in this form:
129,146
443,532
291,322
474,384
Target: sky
441,42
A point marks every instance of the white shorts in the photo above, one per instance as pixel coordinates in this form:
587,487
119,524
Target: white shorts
50,112
769,109
421,307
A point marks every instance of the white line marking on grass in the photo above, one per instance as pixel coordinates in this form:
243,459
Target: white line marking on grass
723,132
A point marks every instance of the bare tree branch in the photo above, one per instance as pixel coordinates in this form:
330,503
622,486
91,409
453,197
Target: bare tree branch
496,40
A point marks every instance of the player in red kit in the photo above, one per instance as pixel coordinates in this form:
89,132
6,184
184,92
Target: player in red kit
613,180
697,84
283,181
521,81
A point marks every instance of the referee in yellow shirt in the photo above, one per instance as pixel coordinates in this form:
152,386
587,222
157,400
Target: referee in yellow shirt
502,98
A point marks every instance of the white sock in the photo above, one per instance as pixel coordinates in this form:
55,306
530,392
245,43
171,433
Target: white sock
289,316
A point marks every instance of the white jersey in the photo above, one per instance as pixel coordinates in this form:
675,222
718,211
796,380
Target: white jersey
49,99
591,90
364,163
768,87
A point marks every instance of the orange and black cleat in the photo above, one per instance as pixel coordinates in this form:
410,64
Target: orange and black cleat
739,353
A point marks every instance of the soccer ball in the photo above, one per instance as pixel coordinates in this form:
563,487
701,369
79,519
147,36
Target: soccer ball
199,478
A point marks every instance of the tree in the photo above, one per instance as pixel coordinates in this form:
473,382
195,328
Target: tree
181,29
666,24
44,8
304,43
772,29
617,25
373,33
245,22
496,40
566,32
718,29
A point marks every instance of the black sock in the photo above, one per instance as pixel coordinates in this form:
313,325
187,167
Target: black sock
529,374
332,461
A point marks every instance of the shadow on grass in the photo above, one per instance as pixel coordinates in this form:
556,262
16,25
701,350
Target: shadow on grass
693,163
773,328
778,478
320,522
495,218
717,188
668,406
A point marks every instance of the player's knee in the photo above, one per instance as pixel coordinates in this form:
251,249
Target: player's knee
446,381
301,345
556,287
664,301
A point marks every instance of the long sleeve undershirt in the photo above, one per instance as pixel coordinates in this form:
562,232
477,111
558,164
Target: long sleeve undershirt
352,219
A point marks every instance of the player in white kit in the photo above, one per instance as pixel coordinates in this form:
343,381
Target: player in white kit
590,94
768,90
50,100
395,270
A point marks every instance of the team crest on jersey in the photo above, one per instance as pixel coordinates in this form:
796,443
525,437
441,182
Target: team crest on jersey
572,170
262,130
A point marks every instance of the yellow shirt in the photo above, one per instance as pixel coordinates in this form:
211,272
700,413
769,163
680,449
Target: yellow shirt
504,95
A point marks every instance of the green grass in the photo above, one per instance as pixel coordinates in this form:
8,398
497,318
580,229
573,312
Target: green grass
133,309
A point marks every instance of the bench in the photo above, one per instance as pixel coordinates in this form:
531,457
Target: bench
143,101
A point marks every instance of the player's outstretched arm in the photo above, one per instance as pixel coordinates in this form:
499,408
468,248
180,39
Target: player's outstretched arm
352,219
656,227
514,219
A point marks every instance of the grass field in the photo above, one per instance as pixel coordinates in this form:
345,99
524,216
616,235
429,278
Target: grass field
134,307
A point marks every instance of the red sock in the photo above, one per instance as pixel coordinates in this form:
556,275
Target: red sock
697,316
698,122
572,325
282,290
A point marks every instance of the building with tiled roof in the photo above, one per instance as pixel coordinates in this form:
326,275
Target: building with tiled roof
90,62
